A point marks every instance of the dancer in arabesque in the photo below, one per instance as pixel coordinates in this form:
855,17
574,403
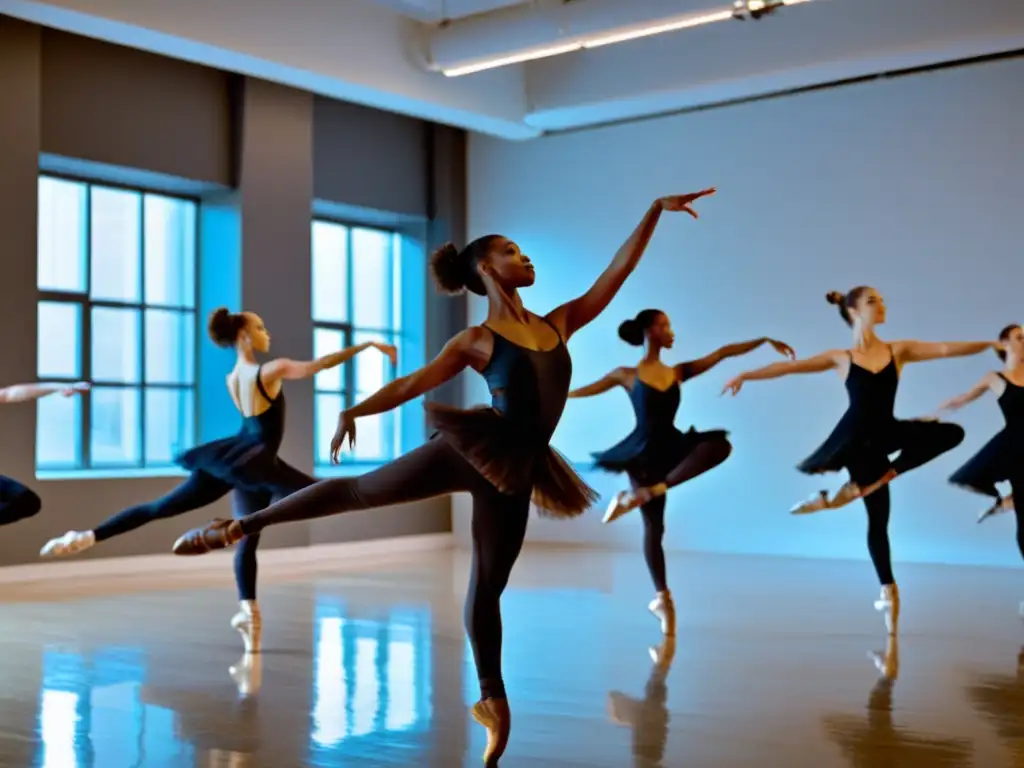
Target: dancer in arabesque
499,454
246,464
18,502
868,433
655,455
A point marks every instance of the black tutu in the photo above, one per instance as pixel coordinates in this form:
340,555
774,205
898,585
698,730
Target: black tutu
16,501
649,457
246,462
510,461
994,463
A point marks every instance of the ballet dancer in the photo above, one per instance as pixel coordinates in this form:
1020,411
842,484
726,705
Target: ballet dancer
1002,458
16,501
499,454
655,455
246,464
868,433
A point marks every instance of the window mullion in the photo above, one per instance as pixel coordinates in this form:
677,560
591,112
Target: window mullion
85,444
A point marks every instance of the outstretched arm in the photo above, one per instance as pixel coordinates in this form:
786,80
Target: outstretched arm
704,364
616,378
920,351
283,368
21,393
573,315
979,389
818,364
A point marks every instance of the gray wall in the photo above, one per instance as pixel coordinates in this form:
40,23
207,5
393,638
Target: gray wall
913,185
270,150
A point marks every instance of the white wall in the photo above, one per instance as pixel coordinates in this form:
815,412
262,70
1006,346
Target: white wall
913,185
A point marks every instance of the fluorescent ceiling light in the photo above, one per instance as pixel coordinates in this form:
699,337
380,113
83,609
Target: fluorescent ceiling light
537,53
657,29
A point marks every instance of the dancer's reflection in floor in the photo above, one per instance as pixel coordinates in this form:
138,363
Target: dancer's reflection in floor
1000,699
224,735
648,717
877,742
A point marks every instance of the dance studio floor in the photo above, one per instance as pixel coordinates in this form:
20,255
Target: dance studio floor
370,668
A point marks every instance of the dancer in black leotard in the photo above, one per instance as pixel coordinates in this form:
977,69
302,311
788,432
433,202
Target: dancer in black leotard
1002,458
868,433
16,501
656,455
498,454
246,463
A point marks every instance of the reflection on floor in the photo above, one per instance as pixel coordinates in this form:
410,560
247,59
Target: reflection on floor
773,666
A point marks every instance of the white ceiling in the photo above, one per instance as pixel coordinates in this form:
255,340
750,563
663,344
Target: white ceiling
379,52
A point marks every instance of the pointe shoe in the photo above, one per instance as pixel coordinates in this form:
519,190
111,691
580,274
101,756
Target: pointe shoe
218,534
247,673
495,716
627,501
817,503
888,663
888,603
664,611
249,624
71,543
662,655
998,508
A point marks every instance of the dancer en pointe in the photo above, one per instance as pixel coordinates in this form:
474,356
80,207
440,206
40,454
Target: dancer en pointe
868,433
499,454
655,455
1002,457
16,501
246,464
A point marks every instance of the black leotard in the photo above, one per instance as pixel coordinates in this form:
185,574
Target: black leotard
508,443
1001,458
654,446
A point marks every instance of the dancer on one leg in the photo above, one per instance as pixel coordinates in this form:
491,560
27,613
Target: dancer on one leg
499,454
16,501
868,433
246,463
655,455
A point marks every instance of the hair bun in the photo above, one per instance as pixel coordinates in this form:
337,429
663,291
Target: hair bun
834,297
224,326
449,269
632,332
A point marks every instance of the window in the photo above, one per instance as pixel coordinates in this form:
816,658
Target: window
117,308
356,298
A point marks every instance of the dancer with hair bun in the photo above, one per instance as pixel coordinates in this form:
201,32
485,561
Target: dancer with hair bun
246,463
499,454
868,433
1002,457
655,455
16,501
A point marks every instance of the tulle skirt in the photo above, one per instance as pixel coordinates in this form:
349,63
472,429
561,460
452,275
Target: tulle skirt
649,457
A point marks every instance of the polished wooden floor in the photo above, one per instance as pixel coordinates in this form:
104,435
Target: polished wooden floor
772,667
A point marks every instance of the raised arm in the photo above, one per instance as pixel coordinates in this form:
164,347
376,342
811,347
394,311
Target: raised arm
979,389
458,354
826,361
573,315
21,393
616,378
921,351
695,368
283,368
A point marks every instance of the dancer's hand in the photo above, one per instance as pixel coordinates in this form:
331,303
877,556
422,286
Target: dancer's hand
346,428
684,202
390,351
76,389
733,385
783,349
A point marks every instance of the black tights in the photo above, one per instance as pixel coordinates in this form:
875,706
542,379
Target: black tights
433,469
918,442
16,501
200,490
706,455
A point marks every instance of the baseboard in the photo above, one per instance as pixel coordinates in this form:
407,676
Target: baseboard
314,557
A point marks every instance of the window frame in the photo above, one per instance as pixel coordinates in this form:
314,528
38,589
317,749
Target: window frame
85,304
348,329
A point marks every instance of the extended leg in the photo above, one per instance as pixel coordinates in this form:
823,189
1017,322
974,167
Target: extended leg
248,622
199,490
433,469
498,528
664,610
922,441
877,505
